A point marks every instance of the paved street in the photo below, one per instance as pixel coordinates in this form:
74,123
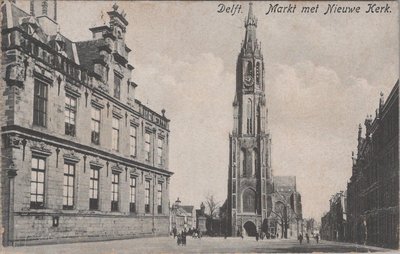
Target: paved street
204,245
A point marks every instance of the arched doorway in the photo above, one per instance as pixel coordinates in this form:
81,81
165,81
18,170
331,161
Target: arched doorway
250,228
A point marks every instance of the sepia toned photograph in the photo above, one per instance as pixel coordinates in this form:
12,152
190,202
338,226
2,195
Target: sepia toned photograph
199,127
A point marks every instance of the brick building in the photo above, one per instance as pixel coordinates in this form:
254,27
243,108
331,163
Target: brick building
373,190
81,157
334,222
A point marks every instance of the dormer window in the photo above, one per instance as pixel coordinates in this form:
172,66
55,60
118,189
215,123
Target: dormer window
30,30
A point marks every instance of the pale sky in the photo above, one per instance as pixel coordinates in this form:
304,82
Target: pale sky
324,74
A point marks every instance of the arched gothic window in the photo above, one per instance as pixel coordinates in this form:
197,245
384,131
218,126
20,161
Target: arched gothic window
253,162
249,201
249,69
258,119
258,73
249,117
243,162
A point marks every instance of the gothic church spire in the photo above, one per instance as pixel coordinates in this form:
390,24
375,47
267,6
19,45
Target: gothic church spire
250,23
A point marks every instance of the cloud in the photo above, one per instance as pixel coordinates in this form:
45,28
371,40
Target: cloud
313,120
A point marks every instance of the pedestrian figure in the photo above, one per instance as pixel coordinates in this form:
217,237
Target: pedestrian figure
308,238
257,236
184,238
262,236
317,237
179,239
300,238
174,232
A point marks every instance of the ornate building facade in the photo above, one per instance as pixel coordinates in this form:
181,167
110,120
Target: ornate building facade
81,157
253,197
373,189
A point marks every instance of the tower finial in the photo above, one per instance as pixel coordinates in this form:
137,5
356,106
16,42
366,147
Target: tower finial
250,24
251,19
381,100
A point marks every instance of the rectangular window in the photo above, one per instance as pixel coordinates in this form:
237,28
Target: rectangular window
159,198
160,151
37,183
95,125
94,189
115,134
70,115
40,104
132,203
233,186
132,145
114,192
117,86
147,197
234,201
147,146
68,191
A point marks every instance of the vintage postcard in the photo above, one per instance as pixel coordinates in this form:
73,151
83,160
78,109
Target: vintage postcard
199,126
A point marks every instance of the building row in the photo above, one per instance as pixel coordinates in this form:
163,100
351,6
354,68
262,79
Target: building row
372,210
81,157
334,222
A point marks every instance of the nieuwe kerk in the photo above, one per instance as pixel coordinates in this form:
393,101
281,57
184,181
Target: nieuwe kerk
81,157
257,201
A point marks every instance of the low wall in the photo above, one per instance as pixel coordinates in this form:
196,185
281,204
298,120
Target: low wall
54,228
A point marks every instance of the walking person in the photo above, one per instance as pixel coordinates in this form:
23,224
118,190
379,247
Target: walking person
308,238
179,239
184,233
174,232
317,237
300,238
257,236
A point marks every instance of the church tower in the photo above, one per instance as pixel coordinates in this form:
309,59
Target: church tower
250,173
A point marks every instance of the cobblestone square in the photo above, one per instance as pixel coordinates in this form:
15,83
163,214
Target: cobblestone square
204,245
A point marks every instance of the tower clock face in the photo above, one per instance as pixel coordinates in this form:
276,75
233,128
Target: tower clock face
248,80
